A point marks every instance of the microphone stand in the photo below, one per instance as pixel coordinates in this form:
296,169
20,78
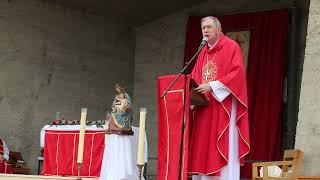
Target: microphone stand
184,71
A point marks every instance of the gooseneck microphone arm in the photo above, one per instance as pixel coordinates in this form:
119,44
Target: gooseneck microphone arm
183,71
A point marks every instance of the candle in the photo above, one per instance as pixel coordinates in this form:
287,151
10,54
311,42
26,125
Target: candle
82,133
143,113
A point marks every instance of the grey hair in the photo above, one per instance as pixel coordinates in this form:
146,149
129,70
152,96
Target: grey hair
216,21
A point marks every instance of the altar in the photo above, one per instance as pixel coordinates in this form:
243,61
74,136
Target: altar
60,145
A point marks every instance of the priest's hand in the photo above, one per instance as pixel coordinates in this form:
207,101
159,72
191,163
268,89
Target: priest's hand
1,158
202,88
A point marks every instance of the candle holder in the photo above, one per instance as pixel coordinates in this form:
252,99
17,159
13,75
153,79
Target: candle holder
140,167
79,170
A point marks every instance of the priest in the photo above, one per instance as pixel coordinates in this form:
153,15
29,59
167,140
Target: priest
220,130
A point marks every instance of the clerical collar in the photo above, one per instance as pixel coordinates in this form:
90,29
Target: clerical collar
211,46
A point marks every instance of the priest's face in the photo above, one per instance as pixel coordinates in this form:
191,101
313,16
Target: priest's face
210,30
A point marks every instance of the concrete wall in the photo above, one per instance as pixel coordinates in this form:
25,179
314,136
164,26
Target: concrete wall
56,59
308,128
160,51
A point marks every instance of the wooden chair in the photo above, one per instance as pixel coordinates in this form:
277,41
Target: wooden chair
15,157
291,159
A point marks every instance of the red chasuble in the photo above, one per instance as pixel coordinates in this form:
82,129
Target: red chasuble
208,152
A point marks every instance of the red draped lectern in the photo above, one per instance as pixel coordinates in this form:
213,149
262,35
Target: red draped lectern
170,117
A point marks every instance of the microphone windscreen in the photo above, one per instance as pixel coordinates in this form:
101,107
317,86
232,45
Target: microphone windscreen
204,40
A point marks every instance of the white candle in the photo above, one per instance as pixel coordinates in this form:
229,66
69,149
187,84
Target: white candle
142,125
82,133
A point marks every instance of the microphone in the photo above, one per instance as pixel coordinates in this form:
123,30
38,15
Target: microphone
203,42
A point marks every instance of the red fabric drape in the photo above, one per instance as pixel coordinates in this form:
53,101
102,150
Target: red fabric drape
265,75
61,153
170,116
5,167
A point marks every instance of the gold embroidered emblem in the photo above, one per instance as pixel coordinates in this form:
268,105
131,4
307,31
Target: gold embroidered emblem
209,72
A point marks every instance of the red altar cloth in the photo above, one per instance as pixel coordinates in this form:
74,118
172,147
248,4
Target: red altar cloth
61,152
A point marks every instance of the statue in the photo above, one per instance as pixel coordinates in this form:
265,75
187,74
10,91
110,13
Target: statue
121,115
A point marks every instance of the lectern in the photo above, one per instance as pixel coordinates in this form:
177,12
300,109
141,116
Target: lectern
170,117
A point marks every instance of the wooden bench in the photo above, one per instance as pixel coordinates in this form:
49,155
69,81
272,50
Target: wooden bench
309,177
291,159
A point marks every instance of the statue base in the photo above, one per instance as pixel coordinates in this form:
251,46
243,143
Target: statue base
120,132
